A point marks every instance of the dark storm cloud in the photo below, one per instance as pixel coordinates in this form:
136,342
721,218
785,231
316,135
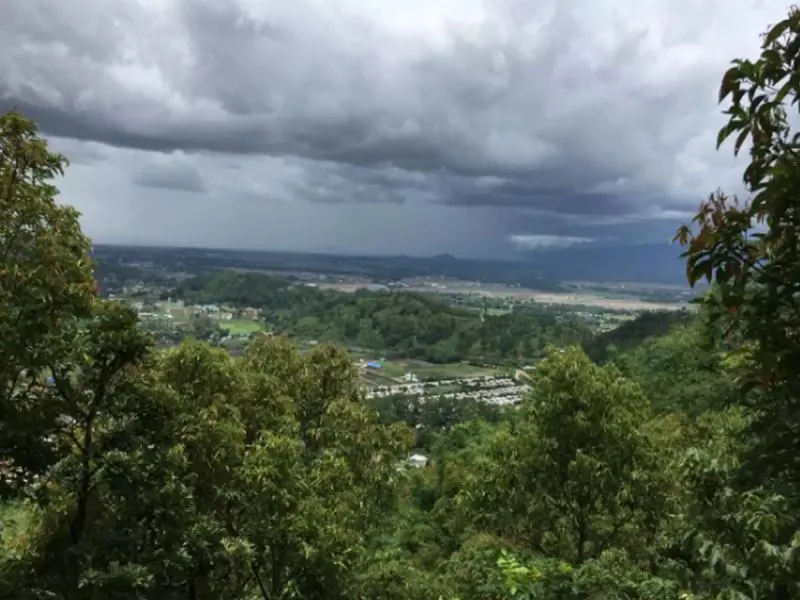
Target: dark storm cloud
550,191
564,110
170,175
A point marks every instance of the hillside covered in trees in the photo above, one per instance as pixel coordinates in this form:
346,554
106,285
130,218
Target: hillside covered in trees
669,472
602,348
395,323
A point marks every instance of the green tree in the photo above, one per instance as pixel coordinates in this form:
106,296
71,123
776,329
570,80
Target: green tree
45,283
204,327
98,514
209,434
649,325
320,475
755,271
388,576
750,251
680,371
577,474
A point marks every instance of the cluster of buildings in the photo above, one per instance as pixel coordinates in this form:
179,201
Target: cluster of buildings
176,309
375,365
501,391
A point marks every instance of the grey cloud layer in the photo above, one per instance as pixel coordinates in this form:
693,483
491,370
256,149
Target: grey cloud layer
561,110
171,173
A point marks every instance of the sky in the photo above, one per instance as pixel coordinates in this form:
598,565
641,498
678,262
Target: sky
474,127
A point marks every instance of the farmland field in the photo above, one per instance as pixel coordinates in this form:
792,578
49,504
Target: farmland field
451,371
608,300
372,378
242,326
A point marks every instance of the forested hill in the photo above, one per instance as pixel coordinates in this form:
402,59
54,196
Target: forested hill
236,288
406,324
632,334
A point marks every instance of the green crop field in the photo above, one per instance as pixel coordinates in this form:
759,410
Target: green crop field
242,326
451,371
372,378
394,369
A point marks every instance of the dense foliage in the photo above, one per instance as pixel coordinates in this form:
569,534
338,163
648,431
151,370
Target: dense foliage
604,347
403,324
685,354
669,472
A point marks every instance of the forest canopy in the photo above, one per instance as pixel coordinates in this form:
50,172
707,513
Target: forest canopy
403,324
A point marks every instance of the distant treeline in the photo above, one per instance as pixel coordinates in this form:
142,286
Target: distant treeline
396,323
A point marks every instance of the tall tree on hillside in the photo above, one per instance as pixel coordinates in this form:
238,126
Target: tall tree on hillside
110,441
45,282
580,488
320,475
751,251
580,475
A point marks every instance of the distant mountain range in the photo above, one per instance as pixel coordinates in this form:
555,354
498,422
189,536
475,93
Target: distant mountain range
542,268
643,263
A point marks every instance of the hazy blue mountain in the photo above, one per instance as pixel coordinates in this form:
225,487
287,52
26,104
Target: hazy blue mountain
540,269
